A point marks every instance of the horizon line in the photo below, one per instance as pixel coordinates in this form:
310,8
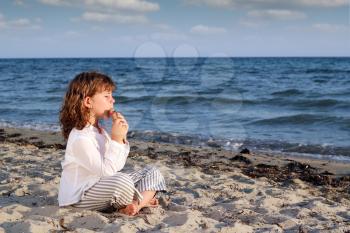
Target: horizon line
150,57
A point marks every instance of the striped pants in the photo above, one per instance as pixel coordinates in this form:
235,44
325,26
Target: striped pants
121,189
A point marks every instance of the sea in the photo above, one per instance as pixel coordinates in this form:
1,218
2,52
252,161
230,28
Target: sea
294,106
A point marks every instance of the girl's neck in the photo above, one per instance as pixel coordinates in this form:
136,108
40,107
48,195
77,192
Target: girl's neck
94,122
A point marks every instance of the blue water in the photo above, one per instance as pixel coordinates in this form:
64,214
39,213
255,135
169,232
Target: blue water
293,105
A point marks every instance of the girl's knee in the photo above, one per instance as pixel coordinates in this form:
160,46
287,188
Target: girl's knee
154,170
122,176
150,169
125,189
125,181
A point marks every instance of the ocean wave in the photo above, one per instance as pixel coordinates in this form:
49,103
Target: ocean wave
318,150
32,112
6,79
327,71
322,78
288,92
321,103
305,103
27,125
302,119
227,101
181,98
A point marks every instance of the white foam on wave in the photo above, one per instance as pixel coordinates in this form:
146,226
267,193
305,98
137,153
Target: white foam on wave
34,126
231,144
337,158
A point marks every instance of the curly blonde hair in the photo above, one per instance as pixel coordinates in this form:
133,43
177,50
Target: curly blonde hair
73,113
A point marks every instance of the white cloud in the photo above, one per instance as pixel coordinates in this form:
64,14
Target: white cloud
132,38
168,36
38,20
323,3
97,28
2,25
18,2
206,30
109,11
162,26
56,2
213,3
267,3
72,34
273,14
326,27
130,5
133,5
249,23
21,23
113,18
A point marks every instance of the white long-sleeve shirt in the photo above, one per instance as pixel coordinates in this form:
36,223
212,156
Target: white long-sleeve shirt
89,156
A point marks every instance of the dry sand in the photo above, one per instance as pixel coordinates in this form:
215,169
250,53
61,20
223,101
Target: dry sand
210,190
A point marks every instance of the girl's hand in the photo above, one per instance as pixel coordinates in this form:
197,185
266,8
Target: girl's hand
120,127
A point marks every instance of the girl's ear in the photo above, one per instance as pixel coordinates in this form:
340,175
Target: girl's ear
87,102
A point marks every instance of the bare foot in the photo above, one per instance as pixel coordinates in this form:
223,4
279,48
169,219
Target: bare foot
130,210
133,208
153,202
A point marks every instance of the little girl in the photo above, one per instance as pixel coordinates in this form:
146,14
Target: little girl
91,177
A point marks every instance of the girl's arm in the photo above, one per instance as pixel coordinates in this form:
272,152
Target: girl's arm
87,155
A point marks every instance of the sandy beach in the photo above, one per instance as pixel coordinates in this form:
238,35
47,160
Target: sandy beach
210,190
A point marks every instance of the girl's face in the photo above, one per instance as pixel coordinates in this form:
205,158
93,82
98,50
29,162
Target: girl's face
100,104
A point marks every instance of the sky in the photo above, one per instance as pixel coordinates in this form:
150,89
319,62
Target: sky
174,28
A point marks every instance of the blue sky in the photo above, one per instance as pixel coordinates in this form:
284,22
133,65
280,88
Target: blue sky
136,28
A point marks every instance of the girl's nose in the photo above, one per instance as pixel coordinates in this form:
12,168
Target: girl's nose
113,100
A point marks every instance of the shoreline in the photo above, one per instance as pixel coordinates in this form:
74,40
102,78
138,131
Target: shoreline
54,139
288,149
209,190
